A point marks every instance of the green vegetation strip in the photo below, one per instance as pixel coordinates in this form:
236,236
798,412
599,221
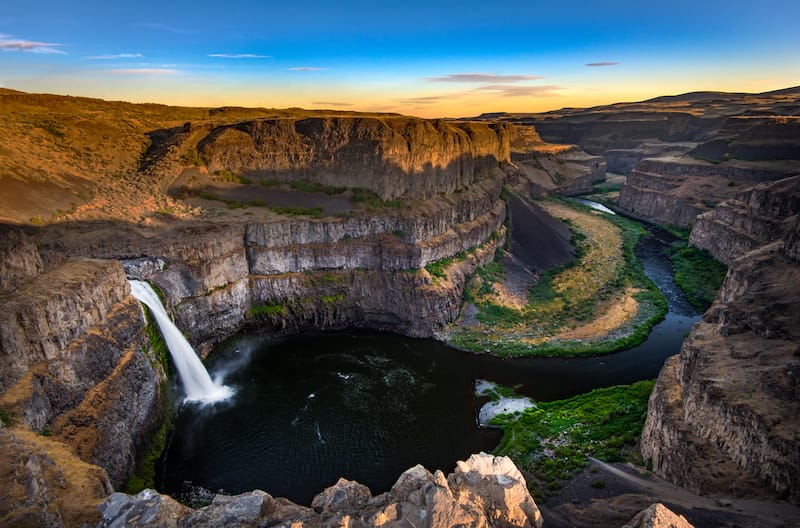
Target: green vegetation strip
552,441
698,274
652,306
145,473
157,344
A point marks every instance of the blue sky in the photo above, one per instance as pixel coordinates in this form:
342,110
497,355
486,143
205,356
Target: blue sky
429,58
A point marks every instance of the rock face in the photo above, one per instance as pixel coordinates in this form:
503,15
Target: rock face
19,259
45,484
392,156
724,415
366,270
75,361
751,219
675,190
484,491
658,516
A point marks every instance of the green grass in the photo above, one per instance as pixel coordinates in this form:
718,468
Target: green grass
144,474
191,157
438,269
601,188
225,175
267,310
157,344
7,417
312,187
681,233
331,300
653,307
314,212
371,201
698,274
552,441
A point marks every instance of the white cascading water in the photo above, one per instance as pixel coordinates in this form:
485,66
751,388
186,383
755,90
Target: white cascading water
196,381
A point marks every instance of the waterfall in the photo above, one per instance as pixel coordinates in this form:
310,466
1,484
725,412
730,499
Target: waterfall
196,381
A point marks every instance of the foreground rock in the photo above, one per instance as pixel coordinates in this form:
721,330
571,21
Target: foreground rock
724,416
483,491
658,516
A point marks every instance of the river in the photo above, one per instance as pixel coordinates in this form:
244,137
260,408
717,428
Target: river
366,406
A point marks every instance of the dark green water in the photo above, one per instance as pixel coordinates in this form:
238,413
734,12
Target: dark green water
366,406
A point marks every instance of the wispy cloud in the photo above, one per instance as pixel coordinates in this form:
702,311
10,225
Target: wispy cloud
482,78
164,27
307,68
429,99
238,56
8,43
144,71
115,56
596,64
329,103
510,90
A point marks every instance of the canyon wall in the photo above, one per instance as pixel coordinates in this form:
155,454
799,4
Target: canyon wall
76,364
79,384
363,271
675,190
723,416
392,156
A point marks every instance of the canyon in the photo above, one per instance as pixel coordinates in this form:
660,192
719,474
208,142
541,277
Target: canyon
193,201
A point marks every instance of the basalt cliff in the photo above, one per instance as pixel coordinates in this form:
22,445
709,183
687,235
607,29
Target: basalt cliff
284,220
685,154
288,220
723,415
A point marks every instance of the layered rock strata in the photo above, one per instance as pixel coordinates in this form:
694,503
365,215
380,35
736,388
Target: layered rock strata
361,270
390,155
751,219
482,491
724,414
75,361
675,190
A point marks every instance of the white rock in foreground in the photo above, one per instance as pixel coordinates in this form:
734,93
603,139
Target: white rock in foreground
483,491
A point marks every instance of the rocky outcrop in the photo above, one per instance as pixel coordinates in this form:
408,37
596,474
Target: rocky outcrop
44,484
751,219
483,491
392,156
75,362
723,416
675,190
658,516
19,259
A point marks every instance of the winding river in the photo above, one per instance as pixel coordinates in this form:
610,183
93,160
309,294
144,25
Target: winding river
366,406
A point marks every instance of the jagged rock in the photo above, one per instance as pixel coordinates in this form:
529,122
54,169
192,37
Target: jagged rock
146,509
484,491
751,219
344,496
74,361
143,268
19,259
658,516
724,415
44,484
246,509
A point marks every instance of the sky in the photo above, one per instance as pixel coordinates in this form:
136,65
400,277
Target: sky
427,58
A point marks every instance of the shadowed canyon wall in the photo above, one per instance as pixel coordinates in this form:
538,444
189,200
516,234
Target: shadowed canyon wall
723,416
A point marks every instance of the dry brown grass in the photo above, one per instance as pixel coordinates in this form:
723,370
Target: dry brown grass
560,316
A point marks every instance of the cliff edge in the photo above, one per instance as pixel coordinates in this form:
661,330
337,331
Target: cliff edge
724,416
